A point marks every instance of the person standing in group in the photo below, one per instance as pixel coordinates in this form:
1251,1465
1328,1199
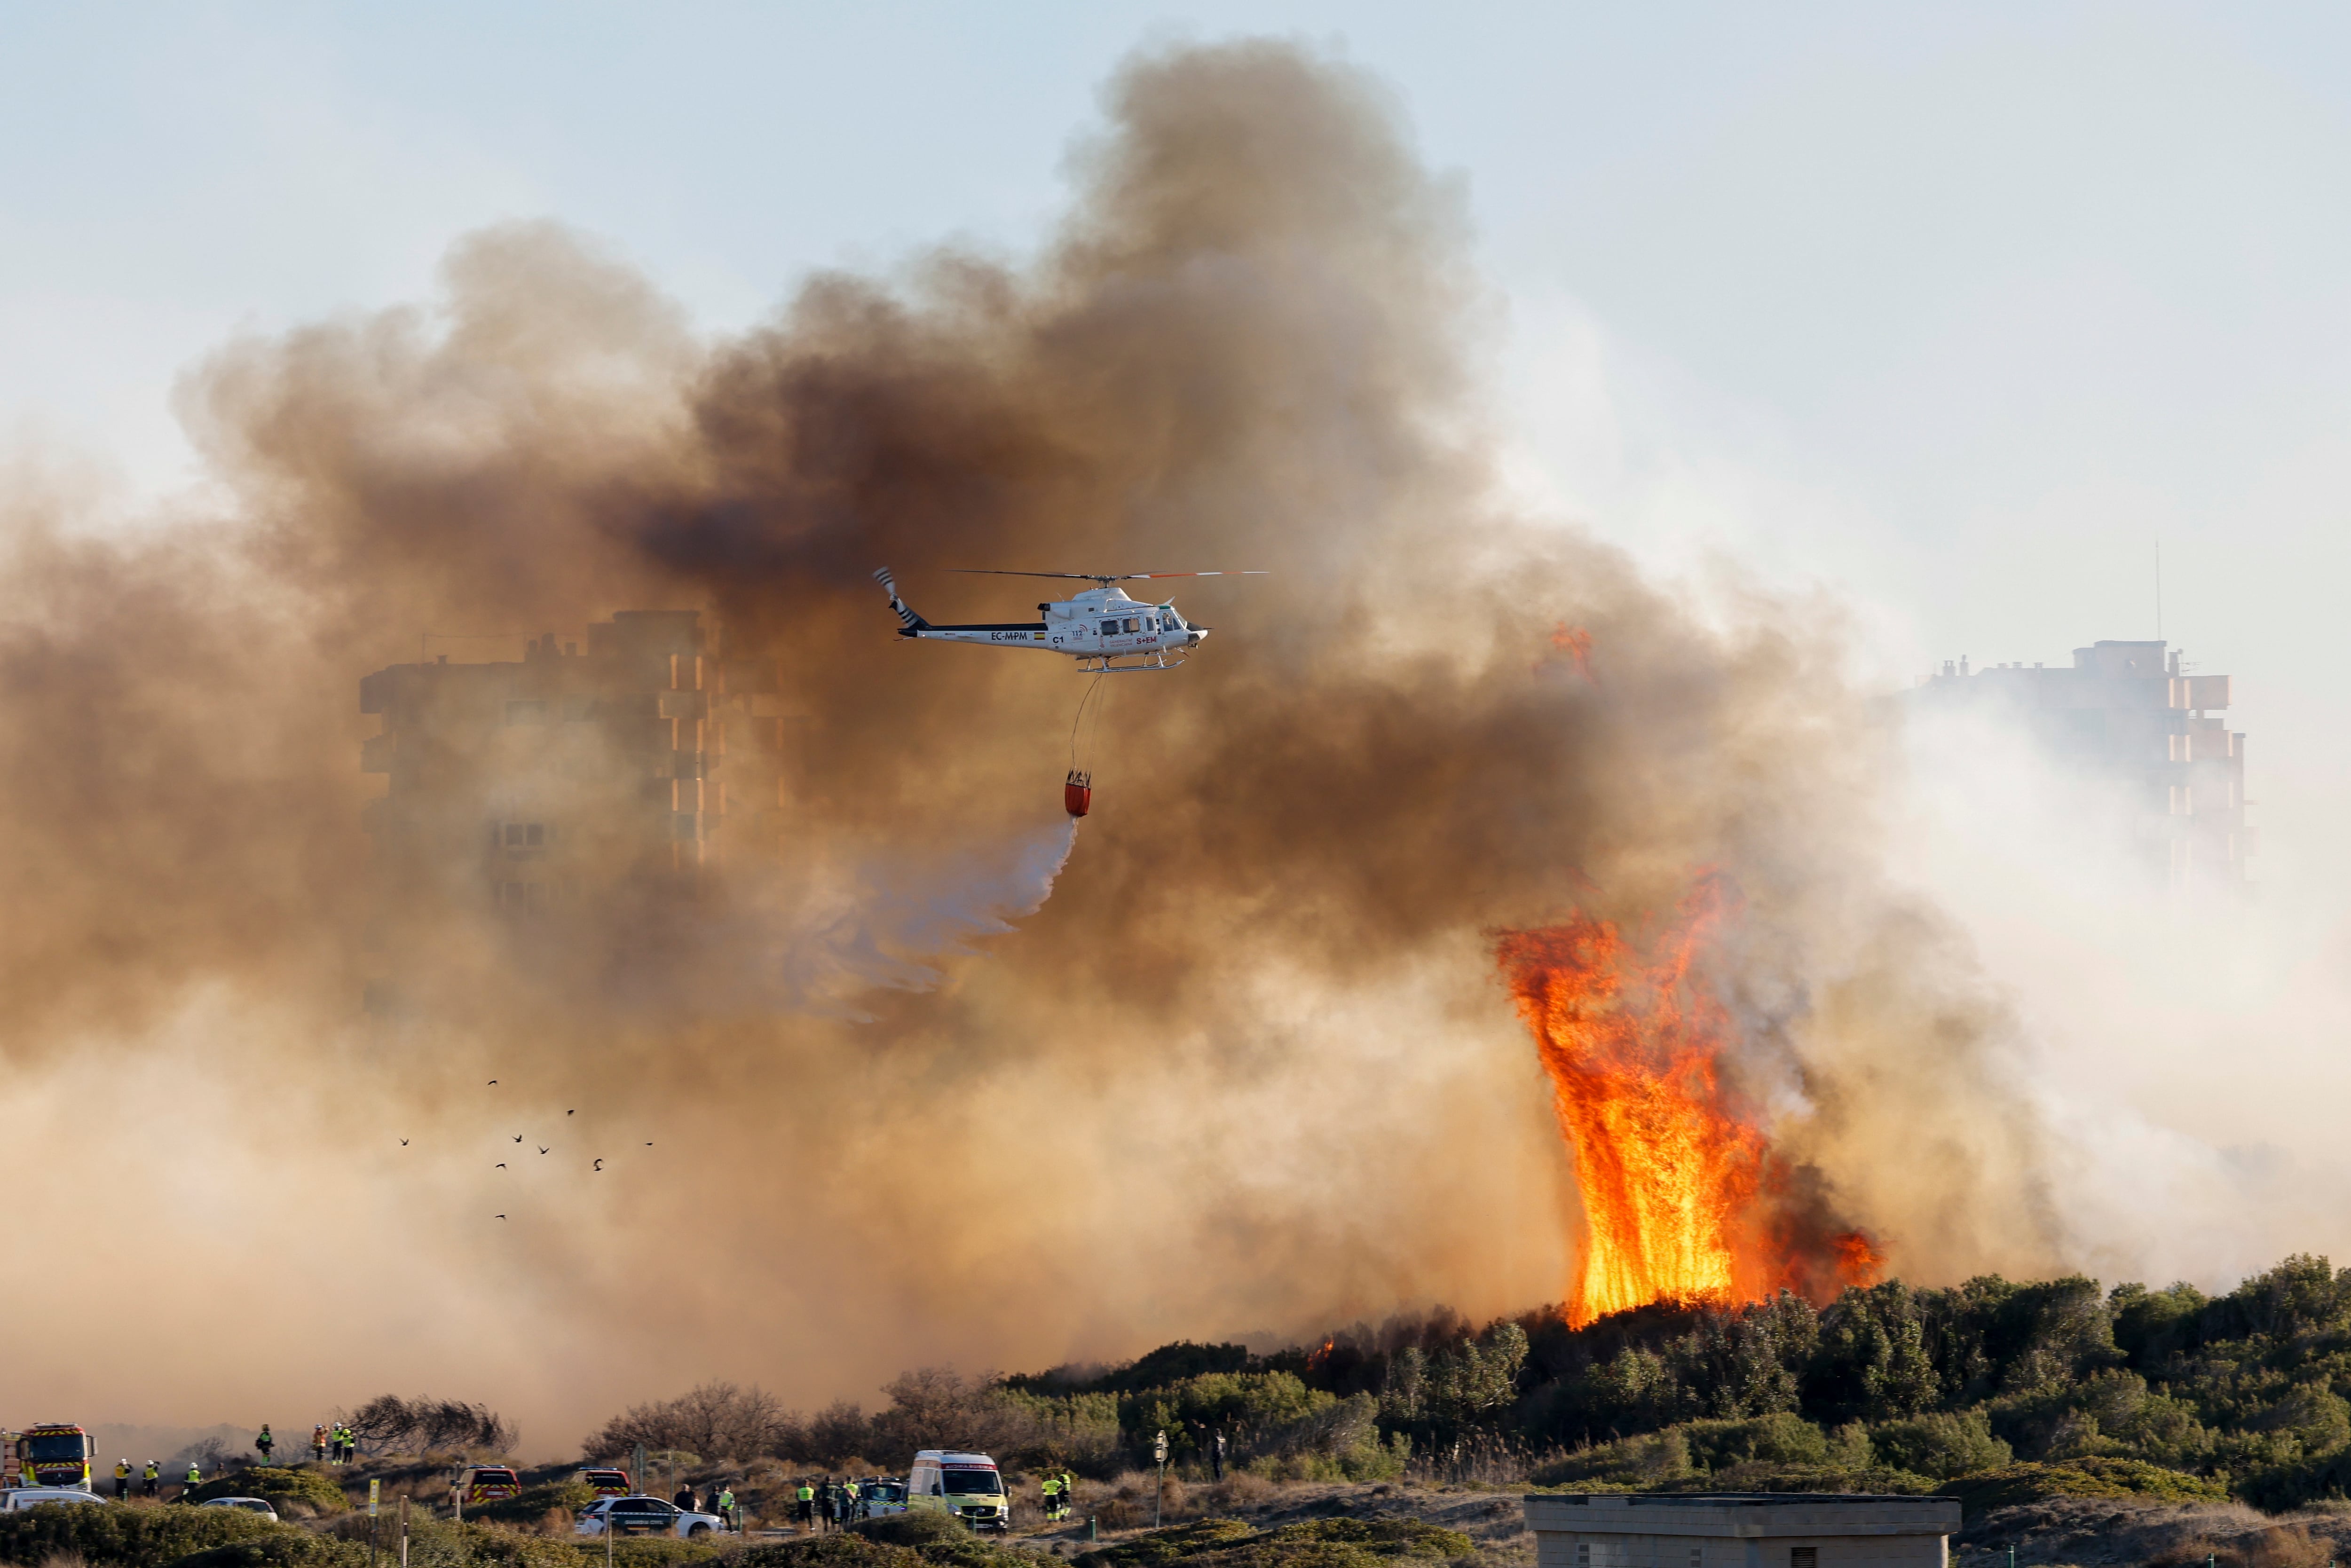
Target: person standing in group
1049,1490
804,1506
148,1478
121,1479
262,1444
319,1443
684,1498
195,1478
726,1507
1216,1458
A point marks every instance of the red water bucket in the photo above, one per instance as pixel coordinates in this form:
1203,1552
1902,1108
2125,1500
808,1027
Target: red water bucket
1077,793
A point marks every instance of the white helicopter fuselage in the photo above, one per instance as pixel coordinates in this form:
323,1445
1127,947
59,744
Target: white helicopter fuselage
1100,624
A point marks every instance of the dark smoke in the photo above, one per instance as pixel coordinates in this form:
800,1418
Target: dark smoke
1249,1068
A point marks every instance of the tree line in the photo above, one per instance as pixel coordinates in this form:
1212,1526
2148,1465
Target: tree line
1887,1387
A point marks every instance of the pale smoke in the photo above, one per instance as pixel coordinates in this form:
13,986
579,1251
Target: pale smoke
1248,1068
887,924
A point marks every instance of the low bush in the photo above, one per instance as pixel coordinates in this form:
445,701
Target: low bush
128,1537
1312,1543
1761,1477
444,1543
1980,1494
286,1548
1944,1444
647,1551
279,1485
840,1550
915,1529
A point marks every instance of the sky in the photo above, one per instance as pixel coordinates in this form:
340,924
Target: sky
1959,315
1963,307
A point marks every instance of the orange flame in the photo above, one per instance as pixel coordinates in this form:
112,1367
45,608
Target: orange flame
1682,1199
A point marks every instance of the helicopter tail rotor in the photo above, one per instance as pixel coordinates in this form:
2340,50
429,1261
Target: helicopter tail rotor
912,622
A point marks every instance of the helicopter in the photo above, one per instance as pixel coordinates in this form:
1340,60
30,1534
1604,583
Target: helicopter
1098,627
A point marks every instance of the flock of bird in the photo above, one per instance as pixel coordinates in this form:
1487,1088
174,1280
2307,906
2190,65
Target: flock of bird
596,1164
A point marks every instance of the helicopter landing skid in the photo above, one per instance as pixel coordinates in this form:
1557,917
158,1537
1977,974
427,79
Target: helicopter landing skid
1100,664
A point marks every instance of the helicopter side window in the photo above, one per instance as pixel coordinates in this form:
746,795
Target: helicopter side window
1110,628
1132,625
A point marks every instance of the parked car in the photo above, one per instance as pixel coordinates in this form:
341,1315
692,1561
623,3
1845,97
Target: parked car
641,1515
259,1505
19,1498
608,1483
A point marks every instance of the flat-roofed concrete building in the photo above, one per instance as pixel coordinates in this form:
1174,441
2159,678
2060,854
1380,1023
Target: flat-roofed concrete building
2131,714
567,793
1750,1529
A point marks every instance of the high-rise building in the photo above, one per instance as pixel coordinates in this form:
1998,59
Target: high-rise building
2130,715
614,779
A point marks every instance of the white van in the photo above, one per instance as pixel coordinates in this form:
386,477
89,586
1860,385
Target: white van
966,1485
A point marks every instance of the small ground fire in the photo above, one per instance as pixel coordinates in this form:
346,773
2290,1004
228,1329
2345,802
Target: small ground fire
1683,1199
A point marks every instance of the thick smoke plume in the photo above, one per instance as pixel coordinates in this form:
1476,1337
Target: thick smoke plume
1249,1068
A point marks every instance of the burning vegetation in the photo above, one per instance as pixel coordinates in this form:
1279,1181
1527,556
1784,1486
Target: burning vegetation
1683,1198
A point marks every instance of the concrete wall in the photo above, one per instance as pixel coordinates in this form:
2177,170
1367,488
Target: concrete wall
1742,1533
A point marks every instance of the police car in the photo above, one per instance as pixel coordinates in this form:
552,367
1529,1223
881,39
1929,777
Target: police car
643,1515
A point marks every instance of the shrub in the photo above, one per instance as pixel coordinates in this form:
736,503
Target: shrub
842,1551
648,1552
1314,1543
129,1537
918,1539
1941,1443
1980,1494
1783,1437
915,1529
445,1544
288,1549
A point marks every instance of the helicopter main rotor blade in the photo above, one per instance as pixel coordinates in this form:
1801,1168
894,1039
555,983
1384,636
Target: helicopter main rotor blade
1096,576
995,571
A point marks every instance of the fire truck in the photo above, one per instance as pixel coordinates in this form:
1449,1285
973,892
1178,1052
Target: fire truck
53,1454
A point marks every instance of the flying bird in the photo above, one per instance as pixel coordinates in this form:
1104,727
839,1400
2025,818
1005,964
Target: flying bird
600,1165
494,1081
404,1142
500,1165
542,1151
518,1137
649,1145
501,1217
572,1113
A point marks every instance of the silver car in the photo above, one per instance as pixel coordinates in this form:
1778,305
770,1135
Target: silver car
259,1505
22,1497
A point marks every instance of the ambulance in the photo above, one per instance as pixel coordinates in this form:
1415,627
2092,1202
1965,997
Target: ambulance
969,1486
